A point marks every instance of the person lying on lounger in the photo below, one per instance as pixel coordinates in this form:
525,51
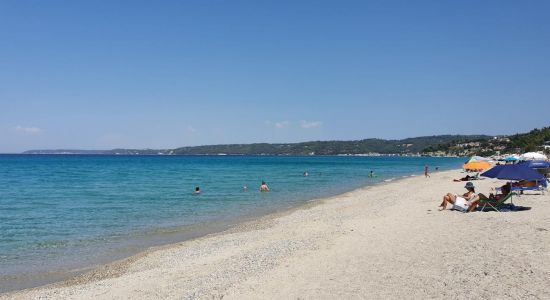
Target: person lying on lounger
525,184
466,178
461,202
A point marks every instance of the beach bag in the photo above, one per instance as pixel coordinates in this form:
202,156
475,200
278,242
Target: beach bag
461,204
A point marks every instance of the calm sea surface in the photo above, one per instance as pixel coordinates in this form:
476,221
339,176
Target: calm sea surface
61,212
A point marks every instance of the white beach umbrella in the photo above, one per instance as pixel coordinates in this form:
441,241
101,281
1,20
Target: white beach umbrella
479,158
533,156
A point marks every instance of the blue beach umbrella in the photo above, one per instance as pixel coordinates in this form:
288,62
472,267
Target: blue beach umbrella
511,158
540,166
513,172
536,164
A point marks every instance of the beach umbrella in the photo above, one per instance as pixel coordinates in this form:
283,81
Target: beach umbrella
533,156
513,172
477,165
511,158
478,158
540,166
536,164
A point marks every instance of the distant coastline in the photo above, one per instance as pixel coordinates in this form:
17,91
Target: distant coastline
366,147
138,153
433,146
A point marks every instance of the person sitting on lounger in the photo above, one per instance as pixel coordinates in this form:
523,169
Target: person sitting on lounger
505,190
461,202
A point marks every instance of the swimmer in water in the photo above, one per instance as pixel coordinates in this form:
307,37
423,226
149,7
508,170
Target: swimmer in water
197,190
264,187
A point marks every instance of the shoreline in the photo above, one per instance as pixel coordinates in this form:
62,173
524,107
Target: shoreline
109,266
350,244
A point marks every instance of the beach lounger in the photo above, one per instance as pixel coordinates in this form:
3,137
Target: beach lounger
476,177
494,204
539,188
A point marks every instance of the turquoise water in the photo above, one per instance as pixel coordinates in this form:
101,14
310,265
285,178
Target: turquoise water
62,212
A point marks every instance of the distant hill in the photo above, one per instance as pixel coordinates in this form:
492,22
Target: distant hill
534,140
437,145
367,146
405,146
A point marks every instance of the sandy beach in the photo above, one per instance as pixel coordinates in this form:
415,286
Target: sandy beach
388,241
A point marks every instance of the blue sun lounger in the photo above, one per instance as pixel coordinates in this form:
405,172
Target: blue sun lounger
540,187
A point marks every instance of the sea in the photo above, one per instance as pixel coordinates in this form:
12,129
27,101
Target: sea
61,215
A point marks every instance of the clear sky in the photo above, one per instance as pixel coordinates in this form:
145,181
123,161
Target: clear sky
162,74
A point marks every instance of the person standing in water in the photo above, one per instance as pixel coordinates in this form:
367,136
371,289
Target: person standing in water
426,171
264,187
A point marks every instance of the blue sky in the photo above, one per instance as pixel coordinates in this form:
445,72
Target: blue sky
162,74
